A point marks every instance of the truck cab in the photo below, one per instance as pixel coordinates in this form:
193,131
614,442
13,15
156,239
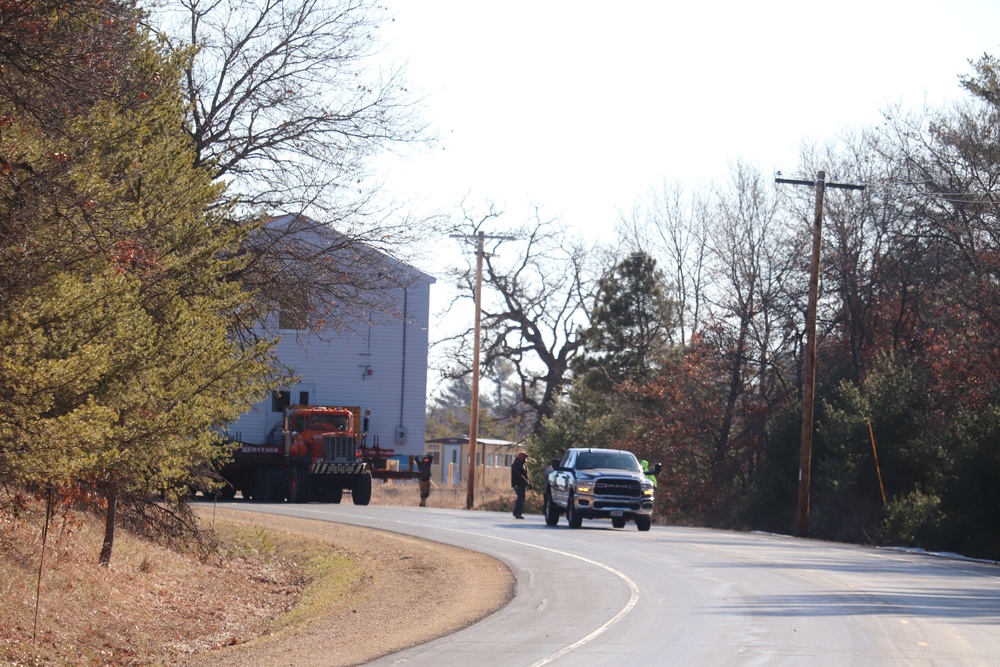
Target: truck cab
592,483
306,426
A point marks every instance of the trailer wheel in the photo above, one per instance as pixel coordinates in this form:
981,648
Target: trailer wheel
298,485
362,491
336,495
279,485
268,489
260,487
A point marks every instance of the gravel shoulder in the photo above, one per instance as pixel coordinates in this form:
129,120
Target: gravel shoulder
409,592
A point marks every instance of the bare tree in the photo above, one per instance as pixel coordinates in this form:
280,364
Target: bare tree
671,227
288,105
537,291
757,264
869,262
949,173
287,102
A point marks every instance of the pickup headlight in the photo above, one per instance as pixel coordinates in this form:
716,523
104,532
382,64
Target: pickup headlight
647,489
584,486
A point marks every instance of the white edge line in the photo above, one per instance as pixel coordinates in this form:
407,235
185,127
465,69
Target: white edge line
633,589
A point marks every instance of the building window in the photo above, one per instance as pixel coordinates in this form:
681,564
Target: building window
280,400
292,319
303,398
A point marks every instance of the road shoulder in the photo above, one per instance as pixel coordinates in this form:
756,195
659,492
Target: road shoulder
410,591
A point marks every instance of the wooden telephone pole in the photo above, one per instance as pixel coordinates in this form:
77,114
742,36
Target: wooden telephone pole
474,408
809,379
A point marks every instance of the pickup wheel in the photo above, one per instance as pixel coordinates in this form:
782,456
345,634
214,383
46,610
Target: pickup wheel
551,511
574,519
643,522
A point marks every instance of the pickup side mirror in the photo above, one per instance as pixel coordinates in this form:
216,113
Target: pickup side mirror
554,463
657,468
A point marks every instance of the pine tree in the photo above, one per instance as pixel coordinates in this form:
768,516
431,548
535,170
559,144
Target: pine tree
630,326
116,360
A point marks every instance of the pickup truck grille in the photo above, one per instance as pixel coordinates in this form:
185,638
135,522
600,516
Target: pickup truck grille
339,448
626,488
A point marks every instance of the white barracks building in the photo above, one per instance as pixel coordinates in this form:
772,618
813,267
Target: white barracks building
378,363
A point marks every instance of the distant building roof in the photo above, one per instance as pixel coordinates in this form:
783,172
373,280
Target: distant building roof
313,236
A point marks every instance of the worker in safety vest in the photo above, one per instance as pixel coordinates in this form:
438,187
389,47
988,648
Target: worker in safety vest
645,469
424,477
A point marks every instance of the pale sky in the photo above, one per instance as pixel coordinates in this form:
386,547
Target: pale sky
581,107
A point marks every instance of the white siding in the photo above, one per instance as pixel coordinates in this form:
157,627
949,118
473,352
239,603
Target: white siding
368,368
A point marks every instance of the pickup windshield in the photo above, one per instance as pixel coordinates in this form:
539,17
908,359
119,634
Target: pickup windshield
608,460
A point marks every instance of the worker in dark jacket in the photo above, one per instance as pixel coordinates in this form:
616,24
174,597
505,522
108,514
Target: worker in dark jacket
424,477
520,481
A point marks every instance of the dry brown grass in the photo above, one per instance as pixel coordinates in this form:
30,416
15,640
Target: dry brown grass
188,602
403,493
87,613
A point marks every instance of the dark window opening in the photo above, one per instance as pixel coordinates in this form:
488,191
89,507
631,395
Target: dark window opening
280,400
292,319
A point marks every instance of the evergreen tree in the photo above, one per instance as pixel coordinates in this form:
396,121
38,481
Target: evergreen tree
630,326
627,342
115,356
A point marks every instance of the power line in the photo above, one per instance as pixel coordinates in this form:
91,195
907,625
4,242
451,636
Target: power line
891,184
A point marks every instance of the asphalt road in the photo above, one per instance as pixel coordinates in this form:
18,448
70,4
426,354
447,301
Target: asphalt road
681,596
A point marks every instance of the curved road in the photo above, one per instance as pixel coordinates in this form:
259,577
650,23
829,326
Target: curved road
682,596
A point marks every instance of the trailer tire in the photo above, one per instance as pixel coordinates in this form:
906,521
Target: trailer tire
336,495
279,486
268,488
361,493
260,487
298,485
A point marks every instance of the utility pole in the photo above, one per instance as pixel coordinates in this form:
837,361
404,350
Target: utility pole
474,408
809,379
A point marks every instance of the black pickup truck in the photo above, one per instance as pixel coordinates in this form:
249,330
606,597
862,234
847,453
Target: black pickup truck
599,484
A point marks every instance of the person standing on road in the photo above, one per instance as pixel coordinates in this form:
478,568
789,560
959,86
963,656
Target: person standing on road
520,481
424,477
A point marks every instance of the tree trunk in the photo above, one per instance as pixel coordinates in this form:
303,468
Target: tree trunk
111,495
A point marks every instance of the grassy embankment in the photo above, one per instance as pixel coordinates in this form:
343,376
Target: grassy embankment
153,604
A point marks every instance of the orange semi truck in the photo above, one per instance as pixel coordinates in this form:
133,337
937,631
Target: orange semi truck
323,452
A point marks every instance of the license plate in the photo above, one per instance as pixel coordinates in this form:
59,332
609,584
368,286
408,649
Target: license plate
617,513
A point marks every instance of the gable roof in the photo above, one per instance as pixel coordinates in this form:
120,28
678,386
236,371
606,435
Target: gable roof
302,236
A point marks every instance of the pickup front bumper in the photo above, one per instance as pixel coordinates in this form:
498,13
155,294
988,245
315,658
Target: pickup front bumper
590,506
